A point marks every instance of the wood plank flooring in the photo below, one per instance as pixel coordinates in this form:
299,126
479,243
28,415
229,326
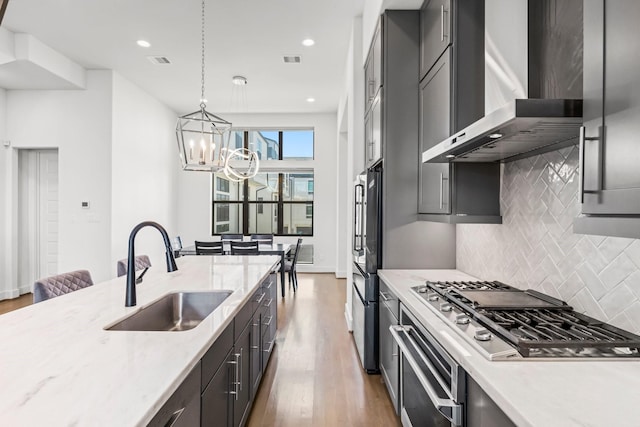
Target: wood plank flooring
8,305
314,377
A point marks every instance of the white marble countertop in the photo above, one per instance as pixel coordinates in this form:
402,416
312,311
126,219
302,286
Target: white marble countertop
553,393
59,367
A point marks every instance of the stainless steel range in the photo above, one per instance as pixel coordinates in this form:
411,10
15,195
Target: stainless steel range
506,323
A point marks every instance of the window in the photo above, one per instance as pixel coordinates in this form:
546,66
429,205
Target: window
271,202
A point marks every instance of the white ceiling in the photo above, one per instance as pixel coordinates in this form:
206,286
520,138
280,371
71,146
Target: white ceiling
245,37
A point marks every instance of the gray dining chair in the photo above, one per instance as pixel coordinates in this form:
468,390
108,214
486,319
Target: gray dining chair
209,248
54,286
262,238
244,248
290,265
142,263
230,237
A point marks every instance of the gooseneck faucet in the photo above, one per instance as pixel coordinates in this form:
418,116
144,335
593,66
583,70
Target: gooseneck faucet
131,261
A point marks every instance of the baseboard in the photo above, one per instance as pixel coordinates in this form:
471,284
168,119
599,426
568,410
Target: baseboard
348,318
341,274
312,268
15,293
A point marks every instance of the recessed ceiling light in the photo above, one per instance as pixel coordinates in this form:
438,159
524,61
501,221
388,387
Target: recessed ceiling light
450,156
143,43
495,135
239,80
311,100
308,42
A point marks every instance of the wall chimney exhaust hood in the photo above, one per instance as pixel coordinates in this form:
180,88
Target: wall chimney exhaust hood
516,130
533,84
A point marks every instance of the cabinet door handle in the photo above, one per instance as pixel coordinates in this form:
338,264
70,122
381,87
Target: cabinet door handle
442,180
269,322
240,363
174,418
271,343
583,140
235,377
269,303
261,298
384,296
442,12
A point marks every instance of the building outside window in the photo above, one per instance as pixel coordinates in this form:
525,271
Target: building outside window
273,202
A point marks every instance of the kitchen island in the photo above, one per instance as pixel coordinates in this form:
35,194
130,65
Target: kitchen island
550,393
60,367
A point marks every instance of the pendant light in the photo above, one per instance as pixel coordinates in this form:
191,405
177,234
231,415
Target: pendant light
203,138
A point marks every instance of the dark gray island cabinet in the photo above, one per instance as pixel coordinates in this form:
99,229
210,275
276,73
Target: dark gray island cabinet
220,389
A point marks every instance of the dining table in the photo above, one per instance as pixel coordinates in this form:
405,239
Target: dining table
281,249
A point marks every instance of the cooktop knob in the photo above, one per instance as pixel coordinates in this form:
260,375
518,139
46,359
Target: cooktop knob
445,306
462,319
423,290
483,335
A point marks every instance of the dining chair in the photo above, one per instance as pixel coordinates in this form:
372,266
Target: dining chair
290,265
54,286
244,248
209,248
142,263
263,238
231,237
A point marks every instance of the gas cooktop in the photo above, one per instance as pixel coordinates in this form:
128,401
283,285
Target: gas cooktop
505,323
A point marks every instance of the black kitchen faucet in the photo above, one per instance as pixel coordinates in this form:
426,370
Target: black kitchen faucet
131,261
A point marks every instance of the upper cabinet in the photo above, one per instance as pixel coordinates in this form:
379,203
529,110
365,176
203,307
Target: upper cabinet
435,29
373,93
451,96
609,152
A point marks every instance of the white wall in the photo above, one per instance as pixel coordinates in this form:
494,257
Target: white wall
194,200
145,165
5,206
78,123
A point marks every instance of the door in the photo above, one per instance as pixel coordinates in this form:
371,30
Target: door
243,380
389,365
217,399
38,215
435,32
611,181
435,126
373,240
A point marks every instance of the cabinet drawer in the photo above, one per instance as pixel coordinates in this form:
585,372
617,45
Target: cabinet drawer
183,407
216,354
389,299
246,313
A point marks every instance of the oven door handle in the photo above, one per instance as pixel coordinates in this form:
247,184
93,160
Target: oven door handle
447,407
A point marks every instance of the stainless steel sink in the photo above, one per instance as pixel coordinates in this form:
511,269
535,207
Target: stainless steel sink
177,311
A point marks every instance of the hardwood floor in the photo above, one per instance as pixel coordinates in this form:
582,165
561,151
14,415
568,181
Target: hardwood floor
314,377
16,303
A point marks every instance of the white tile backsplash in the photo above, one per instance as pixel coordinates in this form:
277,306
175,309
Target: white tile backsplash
535,246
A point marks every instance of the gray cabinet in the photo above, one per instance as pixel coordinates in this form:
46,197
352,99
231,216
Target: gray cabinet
435,125
241,350
182,409
451,97
233,366
435,30
373,68
219,395
389,365
610,177
372,132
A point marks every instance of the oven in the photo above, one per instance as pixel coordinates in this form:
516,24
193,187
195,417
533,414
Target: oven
432,383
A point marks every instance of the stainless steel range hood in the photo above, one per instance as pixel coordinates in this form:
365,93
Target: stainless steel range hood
533,84
519,128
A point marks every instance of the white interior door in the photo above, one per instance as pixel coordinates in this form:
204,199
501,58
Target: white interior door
38,216
48,212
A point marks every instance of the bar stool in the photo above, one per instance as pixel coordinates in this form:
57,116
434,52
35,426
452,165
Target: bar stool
54,286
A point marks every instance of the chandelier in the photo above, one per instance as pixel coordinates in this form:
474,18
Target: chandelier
203,138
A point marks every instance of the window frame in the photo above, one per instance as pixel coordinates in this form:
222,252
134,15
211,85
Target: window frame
278,197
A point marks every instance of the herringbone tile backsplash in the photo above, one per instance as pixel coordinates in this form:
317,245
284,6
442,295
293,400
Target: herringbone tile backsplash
536,248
